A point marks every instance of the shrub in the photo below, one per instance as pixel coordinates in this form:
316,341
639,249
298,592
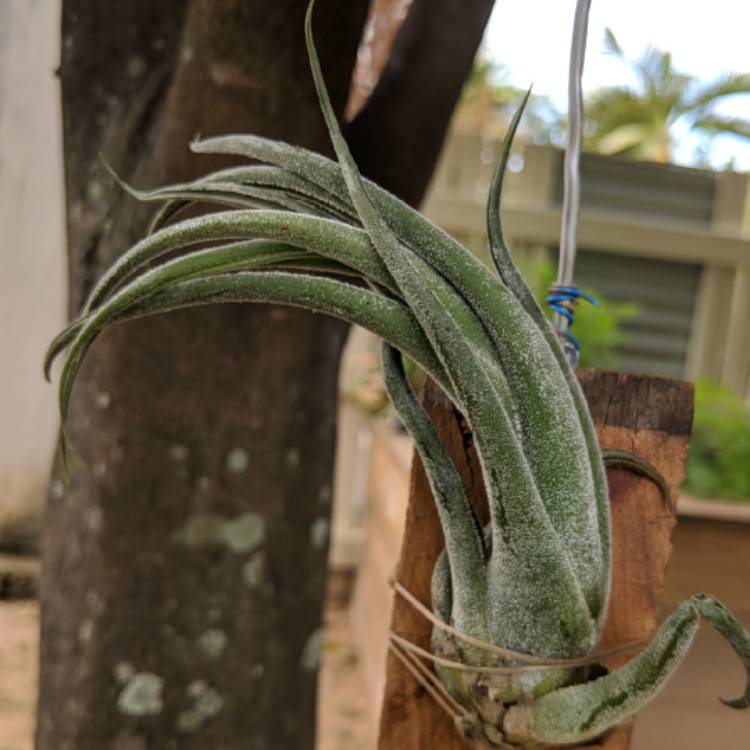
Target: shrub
719,455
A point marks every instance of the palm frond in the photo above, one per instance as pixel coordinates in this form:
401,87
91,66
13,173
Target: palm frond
702,96
611,45
718,125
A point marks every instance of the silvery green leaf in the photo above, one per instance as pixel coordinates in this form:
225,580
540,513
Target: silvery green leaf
180,285
463,538
340,242
527,351
527,554
516,283
582,712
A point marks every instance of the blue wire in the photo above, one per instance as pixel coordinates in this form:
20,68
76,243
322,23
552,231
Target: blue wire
562,300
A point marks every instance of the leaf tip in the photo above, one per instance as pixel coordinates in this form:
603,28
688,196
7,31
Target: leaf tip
110,170
199,144
738,703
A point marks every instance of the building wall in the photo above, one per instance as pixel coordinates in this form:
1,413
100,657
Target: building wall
32,255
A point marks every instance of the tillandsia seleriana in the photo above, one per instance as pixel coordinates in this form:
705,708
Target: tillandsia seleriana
534,584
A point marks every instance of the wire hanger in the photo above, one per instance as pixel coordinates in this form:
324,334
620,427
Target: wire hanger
564,294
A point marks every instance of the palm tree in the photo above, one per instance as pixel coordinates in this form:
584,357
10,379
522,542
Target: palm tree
639,121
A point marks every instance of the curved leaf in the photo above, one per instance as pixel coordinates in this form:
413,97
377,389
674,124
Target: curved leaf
340,242
386,317
528,359
499,250
526,548
580,712
463,537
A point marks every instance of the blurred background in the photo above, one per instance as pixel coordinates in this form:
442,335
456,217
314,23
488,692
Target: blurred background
664,246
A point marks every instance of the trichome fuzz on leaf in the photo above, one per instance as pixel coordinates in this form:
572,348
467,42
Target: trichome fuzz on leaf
534,584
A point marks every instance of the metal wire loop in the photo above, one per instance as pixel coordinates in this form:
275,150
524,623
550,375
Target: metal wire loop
563,299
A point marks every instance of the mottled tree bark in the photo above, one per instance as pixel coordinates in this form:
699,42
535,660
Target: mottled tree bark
185,562
185,565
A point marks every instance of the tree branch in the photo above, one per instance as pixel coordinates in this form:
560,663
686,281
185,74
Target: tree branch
398,134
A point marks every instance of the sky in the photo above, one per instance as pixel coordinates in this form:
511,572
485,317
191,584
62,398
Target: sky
532,38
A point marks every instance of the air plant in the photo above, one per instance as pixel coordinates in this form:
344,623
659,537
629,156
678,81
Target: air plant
528,594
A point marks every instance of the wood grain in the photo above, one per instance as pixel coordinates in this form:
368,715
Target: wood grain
646,415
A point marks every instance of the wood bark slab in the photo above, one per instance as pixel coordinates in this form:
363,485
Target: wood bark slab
648,416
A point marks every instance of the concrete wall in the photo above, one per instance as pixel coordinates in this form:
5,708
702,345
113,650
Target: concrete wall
32,256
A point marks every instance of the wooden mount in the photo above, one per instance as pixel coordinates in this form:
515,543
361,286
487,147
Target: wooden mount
648,416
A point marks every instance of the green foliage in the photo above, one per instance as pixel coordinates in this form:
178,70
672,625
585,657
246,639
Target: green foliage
599,328
638,121
718,463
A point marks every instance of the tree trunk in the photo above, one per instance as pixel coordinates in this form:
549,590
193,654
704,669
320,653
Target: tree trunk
185,563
